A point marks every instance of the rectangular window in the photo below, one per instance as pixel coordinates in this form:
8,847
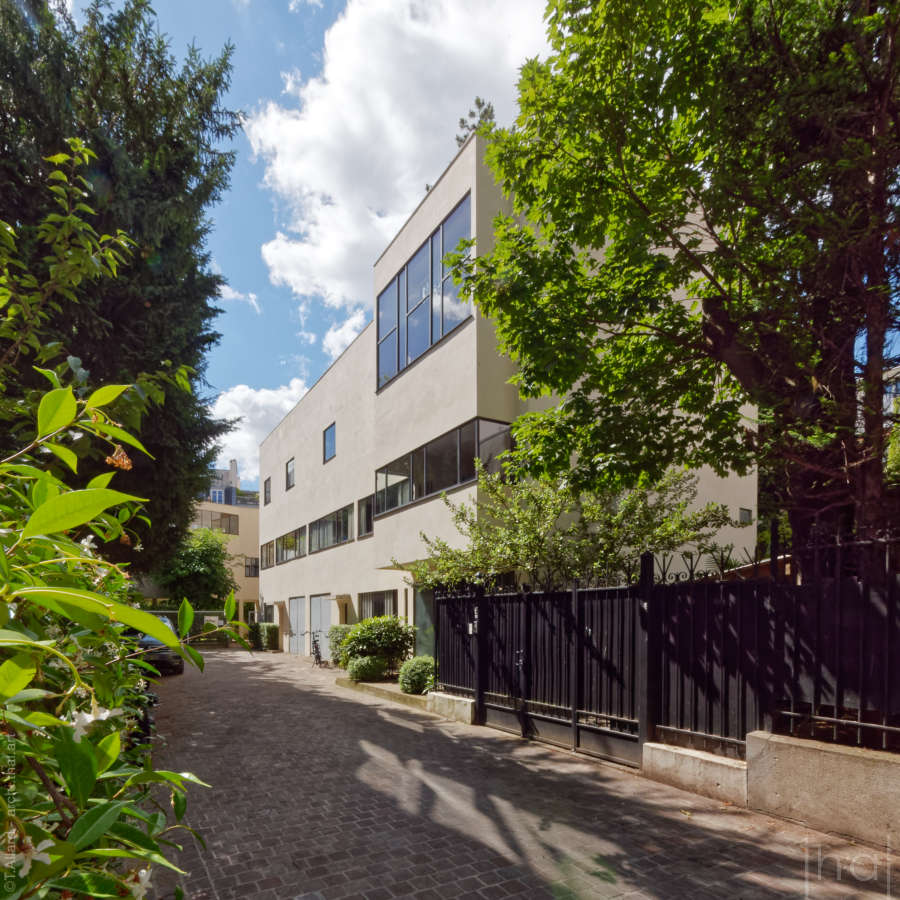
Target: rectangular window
745,516
267,555
267,491
377,603
440,464
365,509
421,304
331,530
289,474
251,567
217,495
226,522
290,546
329,446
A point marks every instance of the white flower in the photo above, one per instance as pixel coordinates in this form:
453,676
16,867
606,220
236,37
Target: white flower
12,609
141,885
31,854
89,544
82,720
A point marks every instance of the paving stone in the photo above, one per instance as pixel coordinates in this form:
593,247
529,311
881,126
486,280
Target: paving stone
326,794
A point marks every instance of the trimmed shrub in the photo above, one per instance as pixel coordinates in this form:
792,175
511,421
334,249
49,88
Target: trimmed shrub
386,636
268,635
254,636
367,668
337,634
417,675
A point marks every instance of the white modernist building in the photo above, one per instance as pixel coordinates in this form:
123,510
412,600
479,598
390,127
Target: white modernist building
354,473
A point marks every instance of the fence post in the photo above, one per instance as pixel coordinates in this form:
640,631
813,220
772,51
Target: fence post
481,653
648,654
576,661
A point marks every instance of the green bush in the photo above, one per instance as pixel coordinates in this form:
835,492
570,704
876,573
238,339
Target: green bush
337,634
367,668
268,635
255,636
386,636
417,675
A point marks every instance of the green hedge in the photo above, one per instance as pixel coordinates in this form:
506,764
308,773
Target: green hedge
254,636
367,668
386,636
337,635
417,675
268,635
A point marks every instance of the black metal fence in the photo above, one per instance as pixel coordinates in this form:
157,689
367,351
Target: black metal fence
692,662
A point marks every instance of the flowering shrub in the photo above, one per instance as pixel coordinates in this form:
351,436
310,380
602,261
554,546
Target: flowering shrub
82,811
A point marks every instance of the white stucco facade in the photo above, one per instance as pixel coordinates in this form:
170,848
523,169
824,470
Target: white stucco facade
460,378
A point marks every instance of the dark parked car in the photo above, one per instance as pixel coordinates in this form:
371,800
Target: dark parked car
159,655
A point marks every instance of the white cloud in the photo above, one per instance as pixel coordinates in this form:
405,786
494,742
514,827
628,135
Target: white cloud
294,5
226,292
339,337
350,159
309,336
293,82
260,411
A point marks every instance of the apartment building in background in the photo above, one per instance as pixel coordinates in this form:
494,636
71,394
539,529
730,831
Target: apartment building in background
354,474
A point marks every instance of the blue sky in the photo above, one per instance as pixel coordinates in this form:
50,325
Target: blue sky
351,108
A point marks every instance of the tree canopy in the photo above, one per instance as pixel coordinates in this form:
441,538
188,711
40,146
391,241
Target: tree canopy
546,533
159,130
705,222
199,570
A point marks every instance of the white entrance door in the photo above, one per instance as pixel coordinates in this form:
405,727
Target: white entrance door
297,614
320,620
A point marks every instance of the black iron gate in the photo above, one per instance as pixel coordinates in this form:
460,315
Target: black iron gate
558,667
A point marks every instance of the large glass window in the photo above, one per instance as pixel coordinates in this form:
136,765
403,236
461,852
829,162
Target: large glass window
440,464
365,509
227,522
421,304
291,545
392,485
267,555
441,469
331,530
329,445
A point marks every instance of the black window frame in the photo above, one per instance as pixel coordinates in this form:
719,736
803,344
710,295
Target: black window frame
267,555
267,491
408,460
359,516
251,567
342,531
403,308
333,429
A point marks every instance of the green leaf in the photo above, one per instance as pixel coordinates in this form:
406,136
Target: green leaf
149,855
89,883
185,617
195,656
119,434
179,804
16,675
108,751
57,409
98,605
106,394
95,823
102,480
65,454
72,509
230,607
78,766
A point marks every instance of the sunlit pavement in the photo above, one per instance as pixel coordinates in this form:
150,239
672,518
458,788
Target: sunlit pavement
320,792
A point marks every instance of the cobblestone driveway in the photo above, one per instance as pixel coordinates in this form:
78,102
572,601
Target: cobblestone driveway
326,793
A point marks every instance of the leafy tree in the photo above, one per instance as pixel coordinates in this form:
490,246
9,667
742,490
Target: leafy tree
158,130
892,467
481,114
547,534
199,570
84,817
705,207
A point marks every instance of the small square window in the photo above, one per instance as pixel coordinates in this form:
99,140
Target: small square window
745,516
267,491
329,447
289,474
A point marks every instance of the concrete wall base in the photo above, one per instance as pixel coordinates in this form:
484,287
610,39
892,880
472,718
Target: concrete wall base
694,770
459,709
844,790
